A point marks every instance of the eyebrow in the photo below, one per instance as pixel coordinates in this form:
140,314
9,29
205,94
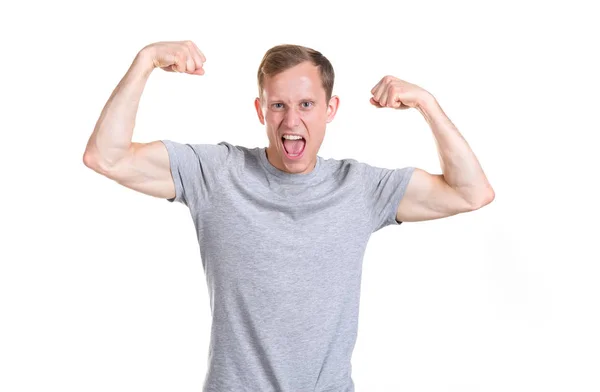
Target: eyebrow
301,100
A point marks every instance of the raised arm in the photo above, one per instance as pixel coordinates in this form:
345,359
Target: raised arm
463,186
143,167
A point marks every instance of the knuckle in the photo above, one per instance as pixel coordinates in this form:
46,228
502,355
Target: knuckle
181,60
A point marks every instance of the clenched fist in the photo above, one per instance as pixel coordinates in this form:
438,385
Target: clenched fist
176,56
392,92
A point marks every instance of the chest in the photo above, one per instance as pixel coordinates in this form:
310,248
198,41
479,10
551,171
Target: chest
307,247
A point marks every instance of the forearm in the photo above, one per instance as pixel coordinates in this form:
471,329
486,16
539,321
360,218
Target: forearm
112,135
460,166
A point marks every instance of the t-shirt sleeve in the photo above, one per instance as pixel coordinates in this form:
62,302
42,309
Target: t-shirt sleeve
384,188
196,170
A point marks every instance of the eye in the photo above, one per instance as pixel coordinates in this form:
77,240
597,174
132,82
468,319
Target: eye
307,104
277,105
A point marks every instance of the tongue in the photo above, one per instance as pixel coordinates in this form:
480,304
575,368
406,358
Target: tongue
294,146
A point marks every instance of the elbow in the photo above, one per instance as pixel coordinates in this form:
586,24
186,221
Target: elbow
92,161
99,162
88,160
484,199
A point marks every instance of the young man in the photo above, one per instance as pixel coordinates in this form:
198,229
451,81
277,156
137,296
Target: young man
282,231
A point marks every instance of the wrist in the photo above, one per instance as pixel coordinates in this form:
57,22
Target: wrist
426,102
144,61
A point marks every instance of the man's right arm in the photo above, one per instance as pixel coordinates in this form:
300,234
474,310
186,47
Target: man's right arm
143,167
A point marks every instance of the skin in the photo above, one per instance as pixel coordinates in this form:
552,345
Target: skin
462,186
295,101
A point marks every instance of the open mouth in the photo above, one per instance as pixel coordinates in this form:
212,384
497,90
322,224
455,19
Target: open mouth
293,148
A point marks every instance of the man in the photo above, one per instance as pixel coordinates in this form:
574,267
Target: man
282,231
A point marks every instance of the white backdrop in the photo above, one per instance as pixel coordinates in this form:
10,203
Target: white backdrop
102,288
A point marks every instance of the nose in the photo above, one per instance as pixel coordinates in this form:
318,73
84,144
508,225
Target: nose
292,118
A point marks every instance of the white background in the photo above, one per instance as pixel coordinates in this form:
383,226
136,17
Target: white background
102,288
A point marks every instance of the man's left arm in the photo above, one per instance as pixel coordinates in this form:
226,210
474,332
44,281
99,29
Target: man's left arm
463,185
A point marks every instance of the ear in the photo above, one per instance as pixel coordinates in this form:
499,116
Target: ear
259,112
332,108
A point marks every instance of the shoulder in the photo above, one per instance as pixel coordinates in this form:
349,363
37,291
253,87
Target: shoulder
344,166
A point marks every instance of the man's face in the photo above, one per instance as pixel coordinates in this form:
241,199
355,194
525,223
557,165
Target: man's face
294,102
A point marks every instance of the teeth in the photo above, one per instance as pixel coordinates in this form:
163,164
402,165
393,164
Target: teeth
292,137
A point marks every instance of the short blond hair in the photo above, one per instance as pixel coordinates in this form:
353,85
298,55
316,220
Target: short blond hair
283,57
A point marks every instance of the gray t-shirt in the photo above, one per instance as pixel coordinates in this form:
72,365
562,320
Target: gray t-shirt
282,254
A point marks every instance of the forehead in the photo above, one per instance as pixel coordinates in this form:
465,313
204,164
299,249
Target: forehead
297,82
